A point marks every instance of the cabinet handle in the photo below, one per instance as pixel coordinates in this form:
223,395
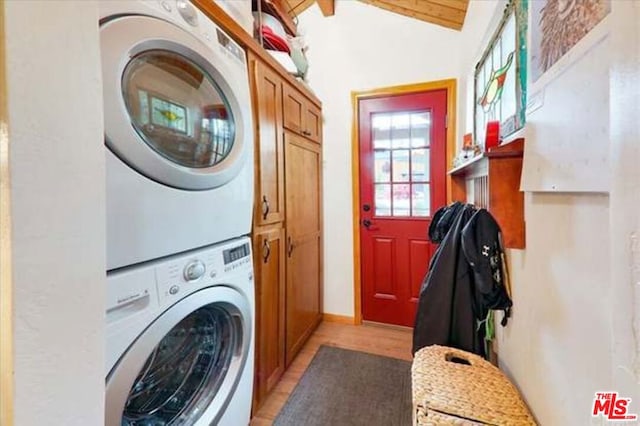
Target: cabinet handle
265,207
306,133
266,250
290,246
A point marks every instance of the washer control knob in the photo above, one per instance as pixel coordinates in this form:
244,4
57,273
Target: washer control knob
194,270
174,289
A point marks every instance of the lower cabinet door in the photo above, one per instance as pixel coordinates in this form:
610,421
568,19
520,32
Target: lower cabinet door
269,264
303,292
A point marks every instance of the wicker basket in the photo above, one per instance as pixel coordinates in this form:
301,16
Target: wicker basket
454,387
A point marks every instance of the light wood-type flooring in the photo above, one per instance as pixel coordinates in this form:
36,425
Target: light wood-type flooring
376,339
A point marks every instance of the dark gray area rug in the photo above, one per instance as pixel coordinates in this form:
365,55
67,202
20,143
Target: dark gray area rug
343,387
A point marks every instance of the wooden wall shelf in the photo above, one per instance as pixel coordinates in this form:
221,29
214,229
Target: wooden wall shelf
492,180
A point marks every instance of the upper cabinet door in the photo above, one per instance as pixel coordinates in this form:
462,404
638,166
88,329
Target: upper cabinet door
269,205
294,105
313,123
301,116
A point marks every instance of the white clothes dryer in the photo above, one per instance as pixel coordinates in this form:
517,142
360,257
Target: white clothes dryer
180,340
178,131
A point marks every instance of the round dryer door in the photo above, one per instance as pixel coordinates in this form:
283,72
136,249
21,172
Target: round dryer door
185,366
176,109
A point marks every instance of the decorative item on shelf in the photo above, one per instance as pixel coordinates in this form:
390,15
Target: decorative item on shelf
469,150
467,141
492,136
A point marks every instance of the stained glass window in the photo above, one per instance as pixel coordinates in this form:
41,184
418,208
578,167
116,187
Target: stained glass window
501,75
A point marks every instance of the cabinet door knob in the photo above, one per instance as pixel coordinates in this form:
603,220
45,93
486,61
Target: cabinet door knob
265,207
266,250
306,133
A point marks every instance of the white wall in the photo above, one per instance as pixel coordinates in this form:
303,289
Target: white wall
361,47
624,201
57,186
571,331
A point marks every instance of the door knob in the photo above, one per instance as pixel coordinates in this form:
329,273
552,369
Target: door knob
366,207
266,250
366,223
265,207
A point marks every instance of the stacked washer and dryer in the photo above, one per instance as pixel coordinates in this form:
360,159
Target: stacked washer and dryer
179,159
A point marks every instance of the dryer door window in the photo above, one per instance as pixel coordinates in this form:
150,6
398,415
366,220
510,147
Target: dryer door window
185,370
177,109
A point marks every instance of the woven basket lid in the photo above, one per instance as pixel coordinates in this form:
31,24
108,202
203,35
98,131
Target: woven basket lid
462,384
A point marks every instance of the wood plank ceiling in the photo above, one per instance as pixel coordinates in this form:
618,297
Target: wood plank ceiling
446,13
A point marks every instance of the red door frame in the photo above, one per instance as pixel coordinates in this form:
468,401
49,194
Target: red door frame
450,86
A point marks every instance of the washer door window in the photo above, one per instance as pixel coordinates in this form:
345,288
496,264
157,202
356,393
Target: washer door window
176,110
185,366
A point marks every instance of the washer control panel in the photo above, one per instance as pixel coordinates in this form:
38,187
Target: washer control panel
185,273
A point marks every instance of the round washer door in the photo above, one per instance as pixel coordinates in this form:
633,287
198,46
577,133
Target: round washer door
176,110
185,366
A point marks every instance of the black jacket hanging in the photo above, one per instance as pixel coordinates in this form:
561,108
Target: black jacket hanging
483,250
465,280
445,314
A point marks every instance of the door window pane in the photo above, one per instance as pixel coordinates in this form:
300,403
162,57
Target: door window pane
383,199
381,130
401,200
382,166
420,165
401,165
420,129
401,130
421,199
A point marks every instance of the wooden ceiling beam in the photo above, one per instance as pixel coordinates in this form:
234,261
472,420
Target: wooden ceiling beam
446,13
423,10
454,4
328,7
299,6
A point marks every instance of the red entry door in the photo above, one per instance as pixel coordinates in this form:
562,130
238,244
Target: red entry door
402,183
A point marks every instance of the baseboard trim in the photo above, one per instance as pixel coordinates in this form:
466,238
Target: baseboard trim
383,325
340,319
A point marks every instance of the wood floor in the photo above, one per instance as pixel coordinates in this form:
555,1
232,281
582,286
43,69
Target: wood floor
375,339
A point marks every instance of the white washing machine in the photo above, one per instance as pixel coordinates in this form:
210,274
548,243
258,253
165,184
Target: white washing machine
180,339
178,131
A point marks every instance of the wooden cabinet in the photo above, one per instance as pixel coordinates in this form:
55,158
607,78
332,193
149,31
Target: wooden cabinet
287,232
269,149
269,270
492,181
304,252
313,123
301,116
